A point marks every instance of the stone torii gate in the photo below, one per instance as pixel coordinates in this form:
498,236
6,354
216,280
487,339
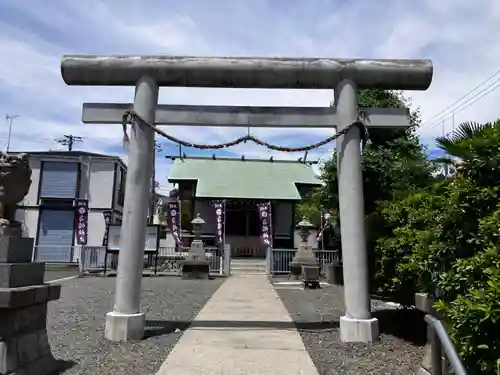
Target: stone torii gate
148,73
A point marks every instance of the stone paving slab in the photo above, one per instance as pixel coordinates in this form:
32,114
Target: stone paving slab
243,329
246,338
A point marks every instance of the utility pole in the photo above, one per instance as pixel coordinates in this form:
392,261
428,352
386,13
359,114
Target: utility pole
69,140
10,119
152,206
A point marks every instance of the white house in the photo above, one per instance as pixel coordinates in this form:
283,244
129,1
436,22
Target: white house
48,211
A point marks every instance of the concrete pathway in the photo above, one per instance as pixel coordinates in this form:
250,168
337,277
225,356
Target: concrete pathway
244,329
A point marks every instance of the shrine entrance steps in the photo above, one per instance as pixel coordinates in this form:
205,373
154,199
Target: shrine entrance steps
248,266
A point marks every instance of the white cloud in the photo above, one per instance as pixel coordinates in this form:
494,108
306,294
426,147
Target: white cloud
459,36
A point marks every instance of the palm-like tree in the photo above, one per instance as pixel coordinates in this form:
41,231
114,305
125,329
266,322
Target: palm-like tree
454,145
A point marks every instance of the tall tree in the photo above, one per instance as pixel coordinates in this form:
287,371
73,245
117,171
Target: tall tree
394,163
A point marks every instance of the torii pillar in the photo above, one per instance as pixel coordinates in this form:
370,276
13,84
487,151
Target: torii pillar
344,76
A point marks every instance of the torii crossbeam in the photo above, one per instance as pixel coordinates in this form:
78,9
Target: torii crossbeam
253,117
344,76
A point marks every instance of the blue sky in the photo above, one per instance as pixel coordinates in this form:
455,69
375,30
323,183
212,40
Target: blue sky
460,37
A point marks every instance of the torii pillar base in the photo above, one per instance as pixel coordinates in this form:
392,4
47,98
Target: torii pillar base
125,327
358,330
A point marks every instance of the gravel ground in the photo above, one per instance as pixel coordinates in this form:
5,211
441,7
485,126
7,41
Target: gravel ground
76,324
399,351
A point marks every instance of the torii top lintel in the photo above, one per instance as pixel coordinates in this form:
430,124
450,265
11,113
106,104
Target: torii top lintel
246,72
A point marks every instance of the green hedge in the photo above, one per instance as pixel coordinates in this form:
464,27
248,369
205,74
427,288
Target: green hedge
445,241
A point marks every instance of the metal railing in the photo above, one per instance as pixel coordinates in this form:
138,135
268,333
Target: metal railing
440,340
168,259
94,259
281,259
55,254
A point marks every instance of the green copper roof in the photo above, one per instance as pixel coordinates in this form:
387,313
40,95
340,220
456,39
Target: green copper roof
246,179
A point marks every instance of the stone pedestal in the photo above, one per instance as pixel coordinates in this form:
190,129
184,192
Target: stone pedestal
196,265
334,274
304,257
310,276
24,347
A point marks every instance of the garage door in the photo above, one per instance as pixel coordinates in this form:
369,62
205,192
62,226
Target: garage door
55,235
59,179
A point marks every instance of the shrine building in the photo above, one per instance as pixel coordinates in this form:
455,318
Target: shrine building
242,183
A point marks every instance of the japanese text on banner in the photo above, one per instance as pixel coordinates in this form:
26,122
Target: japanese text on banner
220,219
265,223
174,220
82,221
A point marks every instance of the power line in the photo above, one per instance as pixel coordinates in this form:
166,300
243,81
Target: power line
481,94
46,140
442,115
69,140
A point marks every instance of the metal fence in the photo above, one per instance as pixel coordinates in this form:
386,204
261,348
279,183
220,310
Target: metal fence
56,254
281,259
94,259
168,260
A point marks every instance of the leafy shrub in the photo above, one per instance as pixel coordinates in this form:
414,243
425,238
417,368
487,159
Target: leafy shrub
474,315
447,244
474,323
429,234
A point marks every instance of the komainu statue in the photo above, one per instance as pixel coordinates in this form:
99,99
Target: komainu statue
24,343
15,181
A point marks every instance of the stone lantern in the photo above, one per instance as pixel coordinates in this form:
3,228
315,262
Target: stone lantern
304,263
196,265
304,227
198,224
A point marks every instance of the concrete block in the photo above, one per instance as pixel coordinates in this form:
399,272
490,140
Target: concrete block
358,330
11,298
43,342
13,275
27,348
54,292
24,320
42,294
14,298
424,302
124,327
15,249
